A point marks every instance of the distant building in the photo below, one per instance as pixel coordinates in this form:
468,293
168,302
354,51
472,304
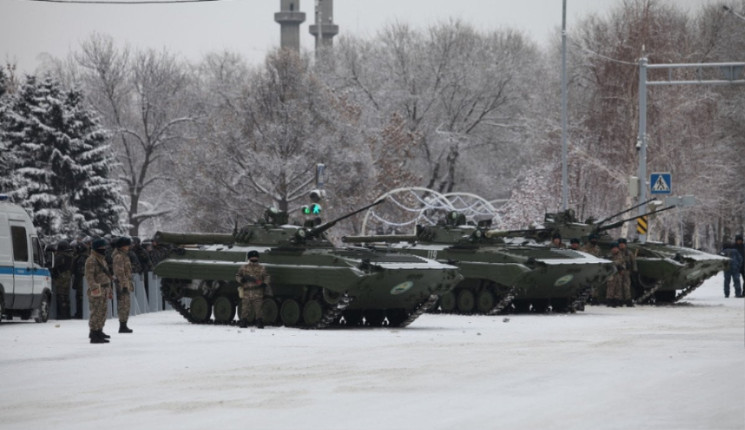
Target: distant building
324,28
289,18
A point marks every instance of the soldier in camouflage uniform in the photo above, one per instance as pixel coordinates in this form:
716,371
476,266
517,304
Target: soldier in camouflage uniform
252,279
614,294
630,261
98,277
122,267
82,251
592,247
61,277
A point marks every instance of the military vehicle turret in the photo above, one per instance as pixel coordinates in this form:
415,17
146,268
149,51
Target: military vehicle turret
314,284
499,277
667,273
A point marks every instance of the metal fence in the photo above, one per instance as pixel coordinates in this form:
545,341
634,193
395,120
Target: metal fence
146,298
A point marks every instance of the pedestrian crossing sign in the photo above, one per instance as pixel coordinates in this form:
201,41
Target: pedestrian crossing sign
661,183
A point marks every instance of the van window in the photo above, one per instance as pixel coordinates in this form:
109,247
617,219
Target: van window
38,254
20,245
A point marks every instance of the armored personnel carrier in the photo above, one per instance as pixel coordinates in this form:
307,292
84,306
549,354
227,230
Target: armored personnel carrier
666,274
500,277
314,284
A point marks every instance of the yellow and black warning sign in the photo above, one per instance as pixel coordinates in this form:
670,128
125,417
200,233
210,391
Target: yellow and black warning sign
641,225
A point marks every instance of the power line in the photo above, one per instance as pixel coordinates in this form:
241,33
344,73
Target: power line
121,2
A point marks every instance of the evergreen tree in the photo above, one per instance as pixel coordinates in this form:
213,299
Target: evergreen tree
60,161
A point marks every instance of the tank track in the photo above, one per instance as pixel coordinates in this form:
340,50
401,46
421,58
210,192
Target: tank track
422,308
177,305
578,304
333,312
644,298
686,291
502,304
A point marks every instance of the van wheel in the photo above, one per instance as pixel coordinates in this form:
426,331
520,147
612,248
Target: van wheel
43,315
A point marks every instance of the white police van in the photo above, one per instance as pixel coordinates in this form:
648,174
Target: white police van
25,284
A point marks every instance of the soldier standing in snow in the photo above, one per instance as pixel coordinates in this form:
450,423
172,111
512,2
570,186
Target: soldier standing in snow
613,293
98,277
123,281
82,251
630,264
61,276
252,279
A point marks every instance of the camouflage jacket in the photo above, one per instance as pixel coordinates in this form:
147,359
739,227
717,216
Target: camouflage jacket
97,273
63,263
591,249
254,271
630,258
122,270
619,262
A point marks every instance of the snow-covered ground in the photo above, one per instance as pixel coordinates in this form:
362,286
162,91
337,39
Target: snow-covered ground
673,367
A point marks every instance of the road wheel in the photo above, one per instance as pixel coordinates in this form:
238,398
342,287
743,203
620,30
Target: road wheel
200,309
269,311
312,313
289,313
466,301
447,302
485,301
224,310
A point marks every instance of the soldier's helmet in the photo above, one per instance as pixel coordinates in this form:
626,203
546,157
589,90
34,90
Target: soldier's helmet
99,244
738,237
253,254
556,235
63,245
622,240
614,245
122,241
574,240
135,240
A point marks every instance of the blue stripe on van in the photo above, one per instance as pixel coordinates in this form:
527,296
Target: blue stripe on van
20,271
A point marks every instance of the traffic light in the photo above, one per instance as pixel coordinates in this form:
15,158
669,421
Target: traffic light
313,209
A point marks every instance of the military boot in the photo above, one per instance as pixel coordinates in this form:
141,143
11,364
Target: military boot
243,323
103,335
259,323
97,336
629,303
123,327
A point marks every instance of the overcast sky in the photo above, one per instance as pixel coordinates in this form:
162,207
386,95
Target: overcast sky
31,28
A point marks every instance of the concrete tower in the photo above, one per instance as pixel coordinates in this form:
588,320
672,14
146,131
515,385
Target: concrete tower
289,18
324,26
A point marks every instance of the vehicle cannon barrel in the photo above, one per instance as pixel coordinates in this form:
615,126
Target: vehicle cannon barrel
380,238
194,238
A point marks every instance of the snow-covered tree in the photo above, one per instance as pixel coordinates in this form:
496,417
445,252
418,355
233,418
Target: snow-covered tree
143,99
59,161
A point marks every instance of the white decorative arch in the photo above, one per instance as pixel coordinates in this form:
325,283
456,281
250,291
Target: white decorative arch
404,209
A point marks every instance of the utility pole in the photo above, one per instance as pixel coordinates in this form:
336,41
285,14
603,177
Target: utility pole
564,172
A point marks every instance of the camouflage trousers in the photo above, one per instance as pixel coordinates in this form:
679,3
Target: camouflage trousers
123,304
613,290
62,295
626,285
252,299
97,306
